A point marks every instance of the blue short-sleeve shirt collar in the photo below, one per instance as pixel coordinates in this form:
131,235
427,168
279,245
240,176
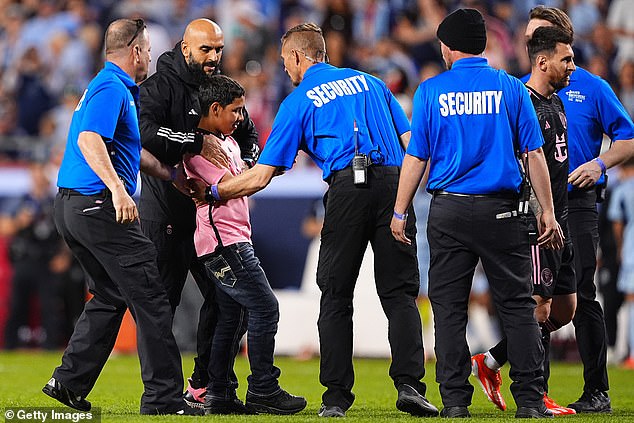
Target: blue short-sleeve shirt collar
470,62
125,78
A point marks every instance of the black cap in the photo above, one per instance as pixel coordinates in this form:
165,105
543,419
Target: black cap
463,30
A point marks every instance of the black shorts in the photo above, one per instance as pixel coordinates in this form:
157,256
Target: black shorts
553,271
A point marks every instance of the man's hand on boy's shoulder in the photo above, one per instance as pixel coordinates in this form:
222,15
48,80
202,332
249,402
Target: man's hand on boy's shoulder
213,152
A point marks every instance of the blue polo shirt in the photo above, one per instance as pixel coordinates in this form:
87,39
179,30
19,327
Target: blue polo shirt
108,107
592,109
318,117
470,121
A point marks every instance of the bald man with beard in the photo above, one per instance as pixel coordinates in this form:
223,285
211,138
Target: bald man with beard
170,113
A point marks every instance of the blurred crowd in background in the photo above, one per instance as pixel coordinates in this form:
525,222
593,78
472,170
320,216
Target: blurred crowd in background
50,49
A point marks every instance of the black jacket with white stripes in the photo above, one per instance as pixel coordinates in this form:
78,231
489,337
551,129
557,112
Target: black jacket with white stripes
169,116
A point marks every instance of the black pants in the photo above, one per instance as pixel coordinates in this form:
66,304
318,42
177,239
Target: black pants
176,257
121,264
588,321
354,216
462,230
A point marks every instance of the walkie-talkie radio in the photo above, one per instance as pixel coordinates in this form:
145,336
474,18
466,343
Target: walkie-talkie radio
359,162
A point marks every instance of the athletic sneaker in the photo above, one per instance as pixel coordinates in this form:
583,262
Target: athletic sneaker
592,402
490,380
557,409
280,402
56,390
195,397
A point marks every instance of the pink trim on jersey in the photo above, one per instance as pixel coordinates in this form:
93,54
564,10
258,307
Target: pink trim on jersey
231,217
537,265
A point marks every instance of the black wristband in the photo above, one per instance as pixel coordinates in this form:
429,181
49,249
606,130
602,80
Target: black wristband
209,197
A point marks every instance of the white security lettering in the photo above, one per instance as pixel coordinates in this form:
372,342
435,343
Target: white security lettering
316,100
344,87
328,91
460,102
442,99
363,81
470,103
498,100
321,95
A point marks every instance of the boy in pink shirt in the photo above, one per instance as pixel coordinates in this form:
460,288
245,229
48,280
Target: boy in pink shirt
223,245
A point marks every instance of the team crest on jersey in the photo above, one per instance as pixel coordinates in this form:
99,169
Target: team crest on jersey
547,277
564,121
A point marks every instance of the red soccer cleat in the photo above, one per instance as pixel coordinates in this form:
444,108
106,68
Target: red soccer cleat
489,380
557,409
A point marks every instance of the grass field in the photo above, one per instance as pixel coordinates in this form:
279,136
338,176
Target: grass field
117,393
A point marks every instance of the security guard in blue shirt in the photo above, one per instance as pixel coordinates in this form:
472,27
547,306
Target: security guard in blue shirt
355,130
592,110
98,219
469,123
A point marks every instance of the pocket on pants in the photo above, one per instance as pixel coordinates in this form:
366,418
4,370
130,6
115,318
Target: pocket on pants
218,268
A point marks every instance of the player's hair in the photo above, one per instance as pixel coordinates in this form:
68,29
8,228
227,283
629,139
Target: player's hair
545,39
122,33
555,16
308,38
218,89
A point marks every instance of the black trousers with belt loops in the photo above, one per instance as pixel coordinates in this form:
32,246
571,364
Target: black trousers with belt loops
356,215
461,230
122,274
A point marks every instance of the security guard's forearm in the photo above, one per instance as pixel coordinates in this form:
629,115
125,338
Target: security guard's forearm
411,173
540,179
94,150
404,138
247,183
620,151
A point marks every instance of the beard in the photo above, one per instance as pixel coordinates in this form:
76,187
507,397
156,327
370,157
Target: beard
197,69
561,84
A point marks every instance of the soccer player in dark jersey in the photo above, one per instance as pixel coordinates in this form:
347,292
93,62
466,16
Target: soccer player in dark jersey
554,287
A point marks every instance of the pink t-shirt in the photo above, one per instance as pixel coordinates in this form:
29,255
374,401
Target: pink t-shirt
230,217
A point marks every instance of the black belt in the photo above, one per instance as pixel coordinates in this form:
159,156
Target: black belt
372,170
71,192
498,195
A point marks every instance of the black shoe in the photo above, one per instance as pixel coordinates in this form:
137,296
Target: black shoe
410,401
56,390
225,406
194,397
184,410
592,402
279,403
533,413
331,411
188,410
455,412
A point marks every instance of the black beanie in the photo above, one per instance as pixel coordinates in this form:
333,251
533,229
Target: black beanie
463,30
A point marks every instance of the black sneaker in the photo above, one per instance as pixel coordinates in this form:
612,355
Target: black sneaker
56,390
540,412
225,406
592,402
412,402
331,411
184,410
194,397
455,412
280,402
188,410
